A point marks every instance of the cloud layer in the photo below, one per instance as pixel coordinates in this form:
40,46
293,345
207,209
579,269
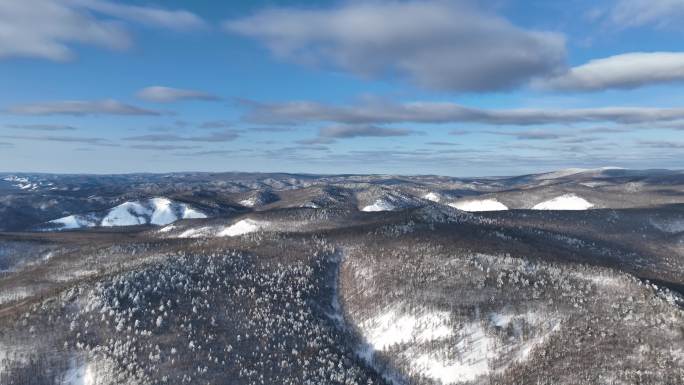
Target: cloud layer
79,108
222,136
436,44
436,112
162,94
41,127
355,131
637,13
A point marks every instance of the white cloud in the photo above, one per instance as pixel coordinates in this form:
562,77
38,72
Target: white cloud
363,130
444,112
436,44
41,127
167,94
629,70
47,29
637,13
80,107
220,136
330,134
150,16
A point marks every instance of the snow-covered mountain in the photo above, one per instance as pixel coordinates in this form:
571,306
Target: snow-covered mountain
154,211
418,292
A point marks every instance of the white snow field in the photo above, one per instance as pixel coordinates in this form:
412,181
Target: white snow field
242,227
251,202
80,374
155,211
564,202
379,205
201,232
479,205
477,351
74,222
393,327
432,196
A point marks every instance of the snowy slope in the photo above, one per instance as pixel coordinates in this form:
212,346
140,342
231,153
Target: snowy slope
379,205
242,227
250,202
479,205
432,196
74,222
259,198
564,202
154,211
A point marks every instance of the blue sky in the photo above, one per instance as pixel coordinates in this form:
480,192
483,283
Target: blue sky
431,87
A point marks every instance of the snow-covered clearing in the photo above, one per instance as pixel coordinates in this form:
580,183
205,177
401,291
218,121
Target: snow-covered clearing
126,214
479,205
564,202
242,227
14,294
476,349
432,196
393,327
74,222
200,232
22,183
251,202
431,343
80,374
379,205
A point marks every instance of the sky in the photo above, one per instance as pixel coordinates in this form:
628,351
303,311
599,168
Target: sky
448,87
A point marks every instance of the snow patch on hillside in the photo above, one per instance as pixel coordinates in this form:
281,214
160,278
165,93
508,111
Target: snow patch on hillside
126,214
15,294
22,183
251,202
448,349
393,328
431,196
167,229
479,205
564,202
80,374
428,327
379,205
201,232
242,227
476,348
74,222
